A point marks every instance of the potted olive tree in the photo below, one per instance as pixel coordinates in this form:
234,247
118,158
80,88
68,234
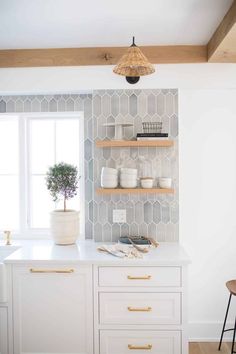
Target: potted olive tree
62,182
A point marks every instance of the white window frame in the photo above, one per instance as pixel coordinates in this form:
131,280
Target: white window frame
25,232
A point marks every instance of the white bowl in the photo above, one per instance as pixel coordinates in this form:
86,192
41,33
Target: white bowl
109,178
146,182
129,171
128,184
125,177
109,185
109,182
109,171
165,182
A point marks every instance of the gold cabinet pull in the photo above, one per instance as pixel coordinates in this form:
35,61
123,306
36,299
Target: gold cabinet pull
144,277
139,309
38,270
140,347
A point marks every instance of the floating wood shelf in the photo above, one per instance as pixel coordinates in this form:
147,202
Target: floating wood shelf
134,190
134,143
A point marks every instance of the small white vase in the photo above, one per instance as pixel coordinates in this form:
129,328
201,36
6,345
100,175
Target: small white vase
64,226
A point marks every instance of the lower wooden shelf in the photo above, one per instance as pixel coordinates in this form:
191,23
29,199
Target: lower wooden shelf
134,143
134,190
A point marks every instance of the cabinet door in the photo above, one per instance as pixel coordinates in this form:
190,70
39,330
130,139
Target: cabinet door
145,341
53,309
3,331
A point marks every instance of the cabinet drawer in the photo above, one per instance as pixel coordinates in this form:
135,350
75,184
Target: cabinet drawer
126,342
140,276
140,308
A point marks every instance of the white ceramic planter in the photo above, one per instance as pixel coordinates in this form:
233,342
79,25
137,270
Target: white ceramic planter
64,226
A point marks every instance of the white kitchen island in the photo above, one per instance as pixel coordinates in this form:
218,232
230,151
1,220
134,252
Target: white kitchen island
73,299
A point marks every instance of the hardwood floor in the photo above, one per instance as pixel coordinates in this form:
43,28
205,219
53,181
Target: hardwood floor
209,348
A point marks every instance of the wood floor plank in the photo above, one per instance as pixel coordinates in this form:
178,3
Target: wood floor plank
209,348
194,348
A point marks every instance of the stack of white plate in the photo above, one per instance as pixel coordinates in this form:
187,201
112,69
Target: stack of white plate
128,177
109,177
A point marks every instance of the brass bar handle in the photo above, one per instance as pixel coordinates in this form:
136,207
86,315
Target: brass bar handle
8,237
140,347
38,270
144,277
139,309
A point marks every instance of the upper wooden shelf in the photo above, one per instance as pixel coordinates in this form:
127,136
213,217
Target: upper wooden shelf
134,190
134,143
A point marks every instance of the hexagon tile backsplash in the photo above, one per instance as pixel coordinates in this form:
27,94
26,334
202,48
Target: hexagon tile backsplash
152,215
147,214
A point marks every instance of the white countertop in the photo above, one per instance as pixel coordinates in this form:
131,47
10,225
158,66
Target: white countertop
85,252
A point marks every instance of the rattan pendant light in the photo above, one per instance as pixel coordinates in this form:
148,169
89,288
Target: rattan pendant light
133,64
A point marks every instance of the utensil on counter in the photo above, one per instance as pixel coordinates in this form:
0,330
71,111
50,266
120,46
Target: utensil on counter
139,248
120,251
139,240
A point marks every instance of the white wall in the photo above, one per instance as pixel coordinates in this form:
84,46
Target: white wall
74,79
207,115
208,203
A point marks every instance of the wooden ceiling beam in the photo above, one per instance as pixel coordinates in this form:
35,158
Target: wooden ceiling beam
222,46
98,56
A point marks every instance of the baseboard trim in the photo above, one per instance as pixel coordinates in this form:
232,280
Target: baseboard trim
208,331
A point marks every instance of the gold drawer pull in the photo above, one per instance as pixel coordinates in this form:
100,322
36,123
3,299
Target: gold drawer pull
139,309
140,347
38,270
144,277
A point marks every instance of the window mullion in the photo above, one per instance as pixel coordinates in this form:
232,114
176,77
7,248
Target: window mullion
22,176
55,141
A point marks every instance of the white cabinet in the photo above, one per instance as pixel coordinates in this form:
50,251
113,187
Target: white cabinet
3,331
53,309
141,309
123,342
140,276
91,303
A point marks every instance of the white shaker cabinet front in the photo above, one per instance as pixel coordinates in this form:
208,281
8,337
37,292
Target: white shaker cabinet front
3,330
141,309
53,309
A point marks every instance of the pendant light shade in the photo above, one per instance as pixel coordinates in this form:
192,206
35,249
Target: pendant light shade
133,64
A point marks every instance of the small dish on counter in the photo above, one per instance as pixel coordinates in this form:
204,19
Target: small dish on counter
147,182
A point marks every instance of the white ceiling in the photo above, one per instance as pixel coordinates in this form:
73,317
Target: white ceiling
85,23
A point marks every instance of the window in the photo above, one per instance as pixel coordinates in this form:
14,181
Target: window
9,174
29,145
